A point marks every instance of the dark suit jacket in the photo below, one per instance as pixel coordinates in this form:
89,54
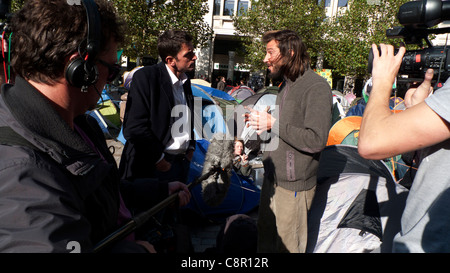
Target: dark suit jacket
147,123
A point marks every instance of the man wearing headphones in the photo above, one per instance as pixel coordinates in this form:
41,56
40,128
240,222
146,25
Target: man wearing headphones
59,184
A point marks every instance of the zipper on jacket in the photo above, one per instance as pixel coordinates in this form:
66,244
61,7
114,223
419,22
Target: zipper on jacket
290,166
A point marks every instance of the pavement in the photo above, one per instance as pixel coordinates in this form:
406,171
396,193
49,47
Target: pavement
203,232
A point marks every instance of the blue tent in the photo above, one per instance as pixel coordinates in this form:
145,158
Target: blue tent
209,92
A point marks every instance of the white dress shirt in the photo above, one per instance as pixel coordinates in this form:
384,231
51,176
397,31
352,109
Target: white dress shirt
181,128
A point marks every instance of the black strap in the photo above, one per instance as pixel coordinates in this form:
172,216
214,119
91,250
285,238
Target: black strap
9,137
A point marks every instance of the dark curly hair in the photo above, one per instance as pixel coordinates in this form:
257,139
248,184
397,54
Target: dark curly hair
171,42
47,32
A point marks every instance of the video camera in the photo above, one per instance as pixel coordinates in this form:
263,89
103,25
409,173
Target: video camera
418,18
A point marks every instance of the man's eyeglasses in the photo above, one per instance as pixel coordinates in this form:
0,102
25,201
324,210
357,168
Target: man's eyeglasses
113,70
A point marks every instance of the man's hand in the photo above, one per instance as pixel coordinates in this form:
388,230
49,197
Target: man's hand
416,95
385,67
260,120
184,195
163,165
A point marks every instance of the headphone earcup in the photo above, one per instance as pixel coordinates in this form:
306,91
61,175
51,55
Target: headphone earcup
80,74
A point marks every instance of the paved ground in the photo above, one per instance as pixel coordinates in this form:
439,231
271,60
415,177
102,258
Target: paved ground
203,232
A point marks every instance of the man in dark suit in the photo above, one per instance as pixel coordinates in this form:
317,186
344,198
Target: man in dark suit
158,123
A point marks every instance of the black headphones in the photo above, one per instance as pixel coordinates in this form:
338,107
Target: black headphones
82,72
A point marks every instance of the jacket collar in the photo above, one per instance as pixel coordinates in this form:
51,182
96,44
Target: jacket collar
55,138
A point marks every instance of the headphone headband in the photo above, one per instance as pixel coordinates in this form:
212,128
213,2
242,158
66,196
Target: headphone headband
94,29
82,72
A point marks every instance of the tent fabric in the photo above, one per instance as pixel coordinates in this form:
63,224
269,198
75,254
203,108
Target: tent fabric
342,128
268,89
338,112
218,97
201,90
109,111
209,120
241,92
128,77
201,82
357,206
346,131
242,196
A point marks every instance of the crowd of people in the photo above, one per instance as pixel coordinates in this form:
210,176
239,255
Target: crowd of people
60,186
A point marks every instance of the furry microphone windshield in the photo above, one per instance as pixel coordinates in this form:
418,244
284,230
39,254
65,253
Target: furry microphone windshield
218,162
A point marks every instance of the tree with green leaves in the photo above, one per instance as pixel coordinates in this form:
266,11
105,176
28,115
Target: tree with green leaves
147,19
350,35
303,16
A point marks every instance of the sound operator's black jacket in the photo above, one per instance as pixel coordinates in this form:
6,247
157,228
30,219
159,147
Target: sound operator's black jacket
55,189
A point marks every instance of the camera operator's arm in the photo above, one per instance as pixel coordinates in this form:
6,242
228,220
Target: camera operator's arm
384,134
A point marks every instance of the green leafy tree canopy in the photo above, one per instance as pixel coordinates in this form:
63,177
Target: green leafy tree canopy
147,19
303,16
349,36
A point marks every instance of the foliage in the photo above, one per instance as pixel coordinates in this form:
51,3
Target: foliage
16,5
303,16
349,36
146,20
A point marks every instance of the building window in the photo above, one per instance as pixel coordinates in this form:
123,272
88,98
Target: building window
327,3
228,7
242,6
216,10
342,3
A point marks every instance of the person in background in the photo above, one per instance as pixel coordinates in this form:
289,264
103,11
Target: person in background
240,162
222,83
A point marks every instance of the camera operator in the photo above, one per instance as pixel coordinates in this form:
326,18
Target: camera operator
422,127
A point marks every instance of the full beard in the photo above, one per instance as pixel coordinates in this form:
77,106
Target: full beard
277,73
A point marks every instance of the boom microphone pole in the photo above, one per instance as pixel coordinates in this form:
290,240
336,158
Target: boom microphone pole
216,180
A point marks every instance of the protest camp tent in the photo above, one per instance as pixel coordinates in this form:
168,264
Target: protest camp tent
346,131
210,117
107,114
201,82
342,129
357,205
241,92
218,97
338,111
268,89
